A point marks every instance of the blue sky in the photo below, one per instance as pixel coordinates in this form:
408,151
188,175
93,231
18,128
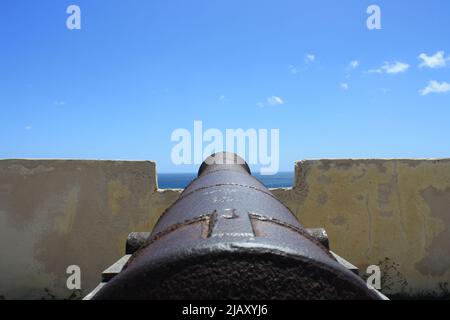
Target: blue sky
137,70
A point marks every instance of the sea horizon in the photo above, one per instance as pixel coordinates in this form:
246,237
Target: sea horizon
182,180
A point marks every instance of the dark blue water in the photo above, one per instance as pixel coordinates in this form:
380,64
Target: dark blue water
181,180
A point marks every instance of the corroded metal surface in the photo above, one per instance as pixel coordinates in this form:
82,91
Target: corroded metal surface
228,237
135,240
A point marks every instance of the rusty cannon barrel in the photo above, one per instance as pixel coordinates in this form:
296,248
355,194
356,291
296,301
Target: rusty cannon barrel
228,237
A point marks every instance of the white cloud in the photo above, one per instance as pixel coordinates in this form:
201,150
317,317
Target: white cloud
344,86
435,87
354,64
274,100
310,58
437,60
28,128
391,68
222,98
59,103
271,101
394,68
293,69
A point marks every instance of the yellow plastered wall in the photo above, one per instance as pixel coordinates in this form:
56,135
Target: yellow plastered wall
56,213
390,213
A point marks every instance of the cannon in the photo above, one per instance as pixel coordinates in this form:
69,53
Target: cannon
229,237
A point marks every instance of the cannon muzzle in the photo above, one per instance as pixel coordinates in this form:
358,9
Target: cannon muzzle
229,237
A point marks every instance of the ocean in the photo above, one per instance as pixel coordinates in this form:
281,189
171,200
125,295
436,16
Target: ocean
181,180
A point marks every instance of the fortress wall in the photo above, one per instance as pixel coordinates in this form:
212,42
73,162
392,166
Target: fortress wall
56,213
391,213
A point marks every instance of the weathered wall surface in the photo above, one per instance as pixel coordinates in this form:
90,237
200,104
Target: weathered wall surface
56,213
391,213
